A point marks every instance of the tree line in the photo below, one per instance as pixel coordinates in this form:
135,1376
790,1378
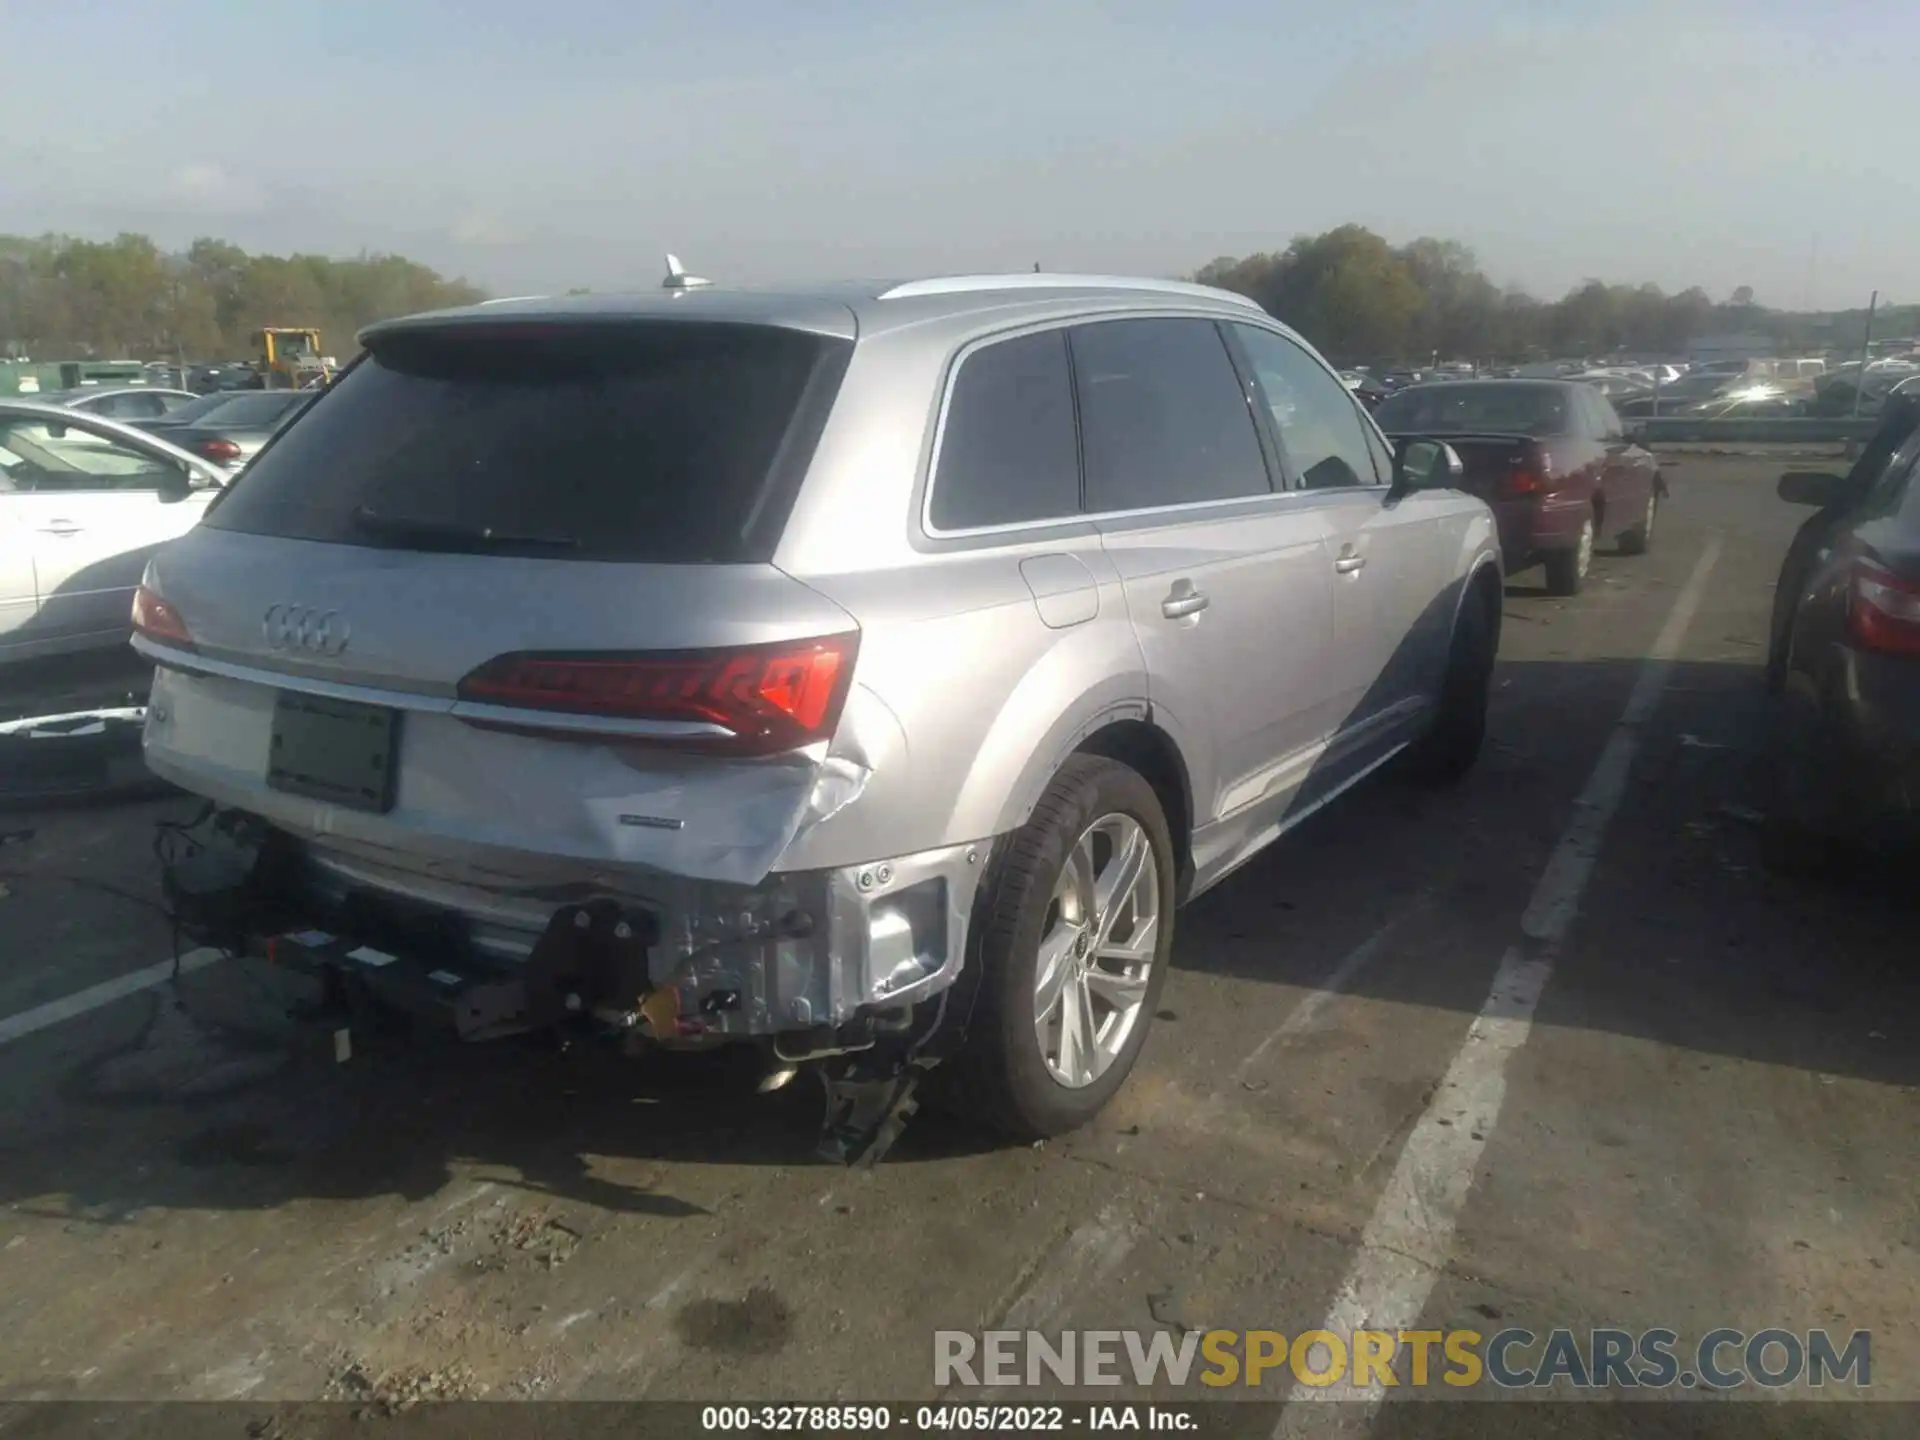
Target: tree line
1361,300
1355,296
126,298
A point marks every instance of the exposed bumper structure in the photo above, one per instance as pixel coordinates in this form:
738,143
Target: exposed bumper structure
810,951
489,837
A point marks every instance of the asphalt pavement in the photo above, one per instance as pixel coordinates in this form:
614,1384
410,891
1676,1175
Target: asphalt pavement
1548,1048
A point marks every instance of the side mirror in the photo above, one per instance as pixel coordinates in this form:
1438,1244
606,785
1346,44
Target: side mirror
176,483
1821,489
56,431
1425,465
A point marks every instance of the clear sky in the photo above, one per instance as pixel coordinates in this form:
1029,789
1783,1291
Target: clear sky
536,144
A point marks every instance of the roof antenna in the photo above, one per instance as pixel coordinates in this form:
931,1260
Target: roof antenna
1036,267
678,279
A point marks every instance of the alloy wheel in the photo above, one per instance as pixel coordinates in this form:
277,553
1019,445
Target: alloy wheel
1097,950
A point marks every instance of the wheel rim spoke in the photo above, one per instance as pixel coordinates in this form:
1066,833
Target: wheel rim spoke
1137,948
1073,1037
1097,955
1056,964
1115,886
1122,992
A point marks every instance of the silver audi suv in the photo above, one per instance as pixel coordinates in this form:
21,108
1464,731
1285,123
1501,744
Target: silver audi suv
864,673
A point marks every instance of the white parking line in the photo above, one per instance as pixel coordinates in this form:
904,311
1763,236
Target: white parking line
27,1022
1410,1235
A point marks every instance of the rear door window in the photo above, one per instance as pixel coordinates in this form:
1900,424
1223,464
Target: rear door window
1164,419
133,405
661,441
1008,453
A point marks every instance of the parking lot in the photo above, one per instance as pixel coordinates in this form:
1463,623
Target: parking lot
1546,1049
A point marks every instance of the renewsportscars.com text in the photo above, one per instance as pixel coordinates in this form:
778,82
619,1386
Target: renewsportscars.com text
1512,1359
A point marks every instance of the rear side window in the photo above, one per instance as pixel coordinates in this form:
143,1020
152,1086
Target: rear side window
660,441
1008,452
1163,416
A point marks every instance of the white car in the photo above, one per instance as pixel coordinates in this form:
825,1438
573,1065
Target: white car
84,503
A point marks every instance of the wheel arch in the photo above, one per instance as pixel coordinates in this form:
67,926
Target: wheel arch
1151,753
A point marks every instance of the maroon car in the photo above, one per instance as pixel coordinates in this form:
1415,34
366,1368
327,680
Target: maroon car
1552,459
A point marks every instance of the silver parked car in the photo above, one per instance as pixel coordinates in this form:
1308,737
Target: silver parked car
84,502
867,673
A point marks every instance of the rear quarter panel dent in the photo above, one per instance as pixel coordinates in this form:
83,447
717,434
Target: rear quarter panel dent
987,706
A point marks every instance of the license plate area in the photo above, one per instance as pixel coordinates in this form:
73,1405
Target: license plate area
334,750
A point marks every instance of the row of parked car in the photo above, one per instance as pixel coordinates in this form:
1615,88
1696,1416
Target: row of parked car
1714,390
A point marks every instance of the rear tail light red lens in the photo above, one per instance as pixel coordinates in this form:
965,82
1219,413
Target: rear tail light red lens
1883,610
1530,473
224,451
157,620
761,699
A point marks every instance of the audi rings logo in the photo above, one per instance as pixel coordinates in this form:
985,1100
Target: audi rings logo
299,627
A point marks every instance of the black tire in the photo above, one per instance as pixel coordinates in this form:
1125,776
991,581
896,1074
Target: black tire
1566,572
1448,751
1639,539
1000,1078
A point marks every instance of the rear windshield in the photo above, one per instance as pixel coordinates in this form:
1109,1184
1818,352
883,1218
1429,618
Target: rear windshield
664,441
1499,408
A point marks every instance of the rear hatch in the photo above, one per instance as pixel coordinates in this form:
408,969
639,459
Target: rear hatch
499,603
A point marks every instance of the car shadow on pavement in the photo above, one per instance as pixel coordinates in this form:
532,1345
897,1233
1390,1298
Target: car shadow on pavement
203,1096
1684,937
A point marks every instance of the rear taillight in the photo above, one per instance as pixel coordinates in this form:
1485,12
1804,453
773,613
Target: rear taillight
223,451
750,700
1530,473
158,620
1883,610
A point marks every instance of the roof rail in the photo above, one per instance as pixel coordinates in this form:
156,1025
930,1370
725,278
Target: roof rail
974,284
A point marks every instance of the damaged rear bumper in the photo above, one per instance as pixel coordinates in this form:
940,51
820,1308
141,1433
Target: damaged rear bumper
756,927
807,955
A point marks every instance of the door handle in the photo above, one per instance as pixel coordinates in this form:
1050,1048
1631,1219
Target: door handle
1183,600
60,527
1347,564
